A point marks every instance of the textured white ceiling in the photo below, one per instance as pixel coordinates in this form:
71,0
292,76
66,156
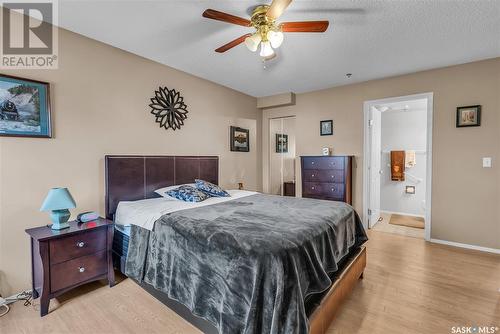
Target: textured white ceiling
370,39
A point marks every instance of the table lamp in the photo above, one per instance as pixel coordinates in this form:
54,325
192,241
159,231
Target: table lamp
58,201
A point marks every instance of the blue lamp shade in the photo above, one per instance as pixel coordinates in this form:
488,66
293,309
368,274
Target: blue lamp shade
58,201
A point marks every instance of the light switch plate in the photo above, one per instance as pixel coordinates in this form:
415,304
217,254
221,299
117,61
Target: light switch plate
487,162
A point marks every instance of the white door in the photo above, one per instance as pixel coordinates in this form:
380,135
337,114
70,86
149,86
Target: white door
375,132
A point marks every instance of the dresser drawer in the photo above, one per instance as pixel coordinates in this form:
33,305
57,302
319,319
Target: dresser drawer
324,190
78,245
66,274
318,175
323,162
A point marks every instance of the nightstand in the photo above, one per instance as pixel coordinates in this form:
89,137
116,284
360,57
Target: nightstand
289,188
64,259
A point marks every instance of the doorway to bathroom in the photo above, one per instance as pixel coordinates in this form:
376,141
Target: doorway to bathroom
282,139
397,165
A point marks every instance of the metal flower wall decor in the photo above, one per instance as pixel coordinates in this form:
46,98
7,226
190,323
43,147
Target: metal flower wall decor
169,108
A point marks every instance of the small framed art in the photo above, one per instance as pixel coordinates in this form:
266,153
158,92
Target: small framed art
410,190
326,128
24,107
281,143
468,116
239,139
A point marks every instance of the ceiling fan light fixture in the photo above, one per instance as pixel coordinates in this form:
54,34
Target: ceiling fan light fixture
268,32
252,42
265,49
276,38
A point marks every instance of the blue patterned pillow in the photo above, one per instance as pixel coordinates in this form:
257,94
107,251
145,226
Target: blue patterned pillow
211,189
188,194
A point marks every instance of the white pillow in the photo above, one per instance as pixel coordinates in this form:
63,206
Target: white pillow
163,191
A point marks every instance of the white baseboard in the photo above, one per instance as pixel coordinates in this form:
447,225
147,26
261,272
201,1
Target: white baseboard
402,213
467,246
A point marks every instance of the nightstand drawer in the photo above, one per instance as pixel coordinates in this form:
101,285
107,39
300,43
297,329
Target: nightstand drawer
77,245
75,271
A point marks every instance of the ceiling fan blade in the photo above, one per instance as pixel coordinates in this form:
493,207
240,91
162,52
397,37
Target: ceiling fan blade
277,8
307,26
224,17
232,44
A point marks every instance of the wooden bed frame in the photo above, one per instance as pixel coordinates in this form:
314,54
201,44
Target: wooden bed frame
131,178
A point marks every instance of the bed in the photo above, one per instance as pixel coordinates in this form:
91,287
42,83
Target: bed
253,264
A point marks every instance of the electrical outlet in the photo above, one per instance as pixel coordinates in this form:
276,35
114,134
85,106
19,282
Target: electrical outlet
487,162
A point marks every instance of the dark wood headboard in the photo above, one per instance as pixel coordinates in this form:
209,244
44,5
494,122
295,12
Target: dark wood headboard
135,177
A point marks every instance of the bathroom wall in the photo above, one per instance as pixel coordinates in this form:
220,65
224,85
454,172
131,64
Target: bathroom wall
404,130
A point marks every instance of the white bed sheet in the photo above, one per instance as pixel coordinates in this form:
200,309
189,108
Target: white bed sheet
144,213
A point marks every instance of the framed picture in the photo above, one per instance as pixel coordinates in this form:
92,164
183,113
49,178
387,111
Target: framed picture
326,128
468,116
281,143
24,107
410,190
240,139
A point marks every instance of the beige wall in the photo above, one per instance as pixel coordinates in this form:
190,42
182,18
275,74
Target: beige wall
100,98
465,196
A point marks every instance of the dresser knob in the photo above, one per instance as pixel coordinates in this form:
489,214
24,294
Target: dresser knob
333,176
312,175
80,244
333,189
312,163
81,269
312,188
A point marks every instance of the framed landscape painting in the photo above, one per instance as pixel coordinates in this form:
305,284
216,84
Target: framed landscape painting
24,107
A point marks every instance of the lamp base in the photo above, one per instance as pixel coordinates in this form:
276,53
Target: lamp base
59,219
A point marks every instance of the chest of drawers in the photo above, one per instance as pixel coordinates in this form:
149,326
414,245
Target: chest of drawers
327,177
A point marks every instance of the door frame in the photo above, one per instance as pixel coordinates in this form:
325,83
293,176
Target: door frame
367,150
369,161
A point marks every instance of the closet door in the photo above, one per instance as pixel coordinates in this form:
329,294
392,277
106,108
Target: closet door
281,154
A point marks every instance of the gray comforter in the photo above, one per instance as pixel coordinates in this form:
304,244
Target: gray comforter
248,264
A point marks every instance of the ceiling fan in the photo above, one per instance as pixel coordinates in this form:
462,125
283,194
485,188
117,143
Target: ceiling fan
269,33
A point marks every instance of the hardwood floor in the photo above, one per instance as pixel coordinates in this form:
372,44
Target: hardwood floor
384,226
409,286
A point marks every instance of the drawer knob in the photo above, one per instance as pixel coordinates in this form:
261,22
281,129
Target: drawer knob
333,189
312,175
81,269
312,163
312,188
80,244
333,176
